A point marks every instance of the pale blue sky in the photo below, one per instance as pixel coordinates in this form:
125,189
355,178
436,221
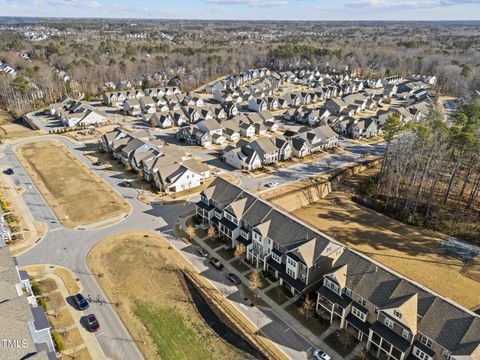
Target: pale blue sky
250,9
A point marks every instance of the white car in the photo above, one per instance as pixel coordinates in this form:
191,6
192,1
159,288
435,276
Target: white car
271,184
320,355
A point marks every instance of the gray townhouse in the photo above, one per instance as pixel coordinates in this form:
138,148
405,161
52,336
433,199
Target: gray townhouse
394,317
24,327
290,250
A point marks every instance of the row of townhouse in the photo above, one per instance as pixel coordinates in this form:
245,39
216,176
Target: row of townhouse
209,131
264,151
166,118
166,166
76,113
236,80
112,98
394,317
371,126
24,327
158,76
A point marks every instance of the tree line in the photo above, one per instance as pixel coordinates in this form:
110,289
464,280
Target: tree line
430,172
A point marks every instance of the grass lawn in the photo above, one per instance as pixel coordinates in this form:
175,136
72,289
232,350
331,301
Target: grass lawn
170,333
225,253
240,266
333,340
175,327
47,285
314,324
72,338
61,319
214,242
68,279
278,294
73,191
250,295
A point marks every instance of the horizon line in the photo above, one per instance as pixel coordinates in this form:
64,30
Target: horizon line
226,19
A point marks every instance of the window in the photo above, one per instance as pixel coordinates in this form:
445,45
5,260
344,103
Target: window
290,272
420,354
358,313
397,314
244,234
291,262
406,334
389,323
362,301
303,277
332,286
218,215
376,311
348,292
426,341
446,354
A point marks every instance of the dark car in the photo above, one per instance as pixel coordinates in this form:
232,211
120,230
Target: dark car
234,279
202,252
92,323
216,263
8,171
80,301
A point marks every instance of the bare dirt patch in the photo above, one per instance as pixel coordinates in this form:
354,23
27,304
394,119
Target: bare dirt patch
74,192
160,298
411,251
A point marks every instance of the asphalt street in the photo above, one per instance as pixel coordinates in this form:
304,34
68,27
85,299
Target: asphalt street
69,248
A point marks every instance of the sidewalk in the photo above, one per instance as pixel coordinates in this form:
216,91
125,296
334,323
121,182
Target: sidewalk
89,340
278,310
33,231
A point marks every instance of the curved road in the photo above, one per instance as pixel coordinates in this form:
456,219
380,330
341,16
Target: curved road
69,248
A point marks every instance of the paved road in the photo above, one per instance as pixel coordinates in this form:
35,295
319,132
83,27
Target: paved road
70,248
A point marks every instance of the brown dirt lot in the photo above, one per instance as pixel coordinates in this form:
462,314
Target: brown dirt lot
411,251
127,257
76,194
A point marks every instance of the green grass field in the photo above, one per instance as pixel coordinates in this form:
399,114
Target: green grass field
175,340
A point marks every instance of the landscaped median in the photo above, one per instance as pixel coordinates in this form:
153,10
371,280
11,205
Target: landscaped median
144,276
77,196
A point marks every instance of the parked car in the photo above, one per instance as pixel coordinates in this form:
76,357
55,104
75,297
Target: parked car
81,302
271,184
234,279
320,355
202,252
8,171
216,263
92,323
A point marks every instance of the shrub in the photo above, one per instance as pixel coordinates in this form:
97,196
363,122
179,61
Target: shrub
43,303
58,340
36,288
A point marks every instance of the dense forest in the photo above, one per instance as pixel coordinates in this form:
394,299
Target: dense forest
93,52
430,173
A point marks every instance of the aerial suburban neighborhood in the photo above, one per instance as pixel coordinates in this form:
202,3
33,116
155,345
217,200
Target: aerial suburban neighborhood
272,188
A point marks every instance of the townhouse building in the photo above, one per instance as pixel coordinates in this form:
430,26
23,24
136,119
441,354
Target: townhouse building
394,317
291,251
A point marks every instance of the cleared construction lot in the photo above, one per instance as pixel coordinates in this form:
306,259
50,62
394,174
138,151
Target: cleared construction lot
411,251
142,276
76,195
